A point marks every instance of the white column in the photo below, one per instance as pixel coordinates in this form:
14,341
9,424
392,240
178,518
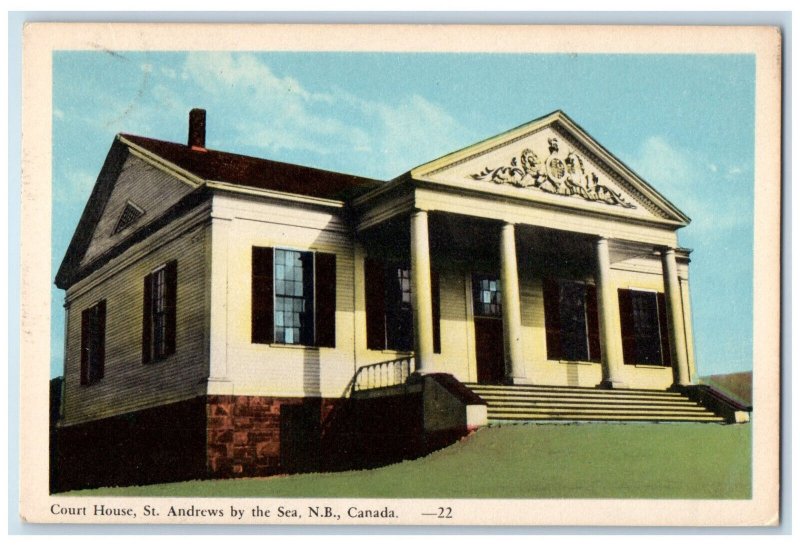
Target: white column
512,322
680,364
607,308
421,292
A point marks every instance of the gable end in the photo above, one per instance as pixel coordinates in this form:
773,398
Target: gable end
95,206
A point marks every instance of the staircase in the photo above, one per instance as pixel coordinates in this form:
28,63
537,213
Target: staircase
548,403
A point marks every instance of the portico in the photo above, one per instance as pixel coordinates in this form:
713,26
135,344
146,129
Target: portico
565,271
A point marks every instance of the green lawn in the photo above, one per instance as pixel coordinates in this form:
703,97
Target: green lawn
528,461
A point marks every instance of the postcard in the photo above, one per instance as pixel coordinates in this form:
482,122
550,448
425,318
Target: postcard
400,275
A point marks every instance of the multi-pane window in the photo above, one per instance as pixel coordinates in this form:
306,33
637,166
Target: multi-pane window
486,296
159,319
570,313
399,320
294,297
390,323
159,307
643,317
93,343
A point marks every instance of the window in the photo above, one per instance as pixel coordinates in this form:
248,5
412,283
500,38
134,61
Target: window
571,324
158,322
643,317
399,320
487,297
93,343
293,297
390,323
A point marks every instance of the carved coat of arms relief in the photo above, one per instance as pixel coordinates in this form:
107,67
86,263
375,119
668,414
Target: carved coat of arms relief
566,176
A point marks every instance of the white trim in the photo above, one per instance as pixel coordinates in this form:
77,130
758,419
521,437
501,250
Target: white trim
162,164
560,120
279,195
544,200
174,230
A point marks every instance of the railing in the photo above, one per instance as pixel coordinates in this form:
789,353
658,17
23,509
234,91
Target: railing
383,374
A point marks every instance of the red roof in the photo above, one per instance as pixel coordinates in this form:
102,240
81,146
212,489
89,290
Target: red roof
255,172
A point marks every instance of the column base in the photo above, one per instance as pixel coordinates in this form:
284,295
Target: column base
518,381
612,384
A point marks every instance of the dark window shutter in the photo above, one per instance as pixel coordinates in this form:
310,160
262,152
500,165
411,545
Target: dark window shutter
375,293
85,321
261,320
437,312
326,299
147,319
666,348
552,318
170,305
627,327
592,323
99,372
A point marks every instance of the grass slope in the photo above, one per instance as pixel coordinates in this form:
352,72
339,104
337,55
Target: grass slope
739,385
528,461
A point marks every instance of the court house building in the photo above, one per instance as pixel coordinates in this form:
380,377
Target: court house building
242,316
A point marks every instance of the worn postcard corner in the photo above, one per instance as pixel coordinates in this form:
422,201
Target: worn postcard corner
400,275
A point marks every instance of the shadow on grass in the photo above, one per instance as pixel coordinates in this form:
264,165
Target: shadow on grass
580,460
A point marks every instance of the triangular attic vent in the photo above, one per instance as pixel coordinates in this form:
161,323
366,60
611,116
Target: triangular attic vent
128,216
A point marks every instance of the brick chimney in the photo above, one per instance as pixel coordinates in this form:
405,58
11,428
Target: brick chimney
197,129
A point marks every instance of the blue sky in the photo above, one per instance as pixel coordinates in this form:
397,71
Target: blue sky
683,122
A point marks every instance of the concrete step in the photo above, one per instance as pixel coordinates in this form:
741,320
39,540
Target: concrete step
578,394
690,406
561,388
544,402
567,397
589,411
501,418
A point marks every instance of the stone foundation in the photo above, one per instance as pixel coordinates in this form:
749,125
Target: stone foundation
224,436
259,436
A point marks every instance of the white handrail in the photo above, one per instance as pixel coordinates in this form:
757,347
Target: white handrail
383,374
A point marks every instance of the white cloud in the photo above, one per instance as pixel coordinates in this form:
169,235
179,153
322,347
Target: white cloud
254,110
696,185
275,113
58,114
734,171
413,131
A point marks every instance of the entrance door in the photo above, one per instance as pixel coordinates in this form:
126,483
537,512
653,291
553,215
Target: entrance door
489,354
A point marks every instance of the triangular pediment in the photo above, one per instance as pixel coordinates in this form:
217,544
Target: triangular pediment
141,192
131,192
554,162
